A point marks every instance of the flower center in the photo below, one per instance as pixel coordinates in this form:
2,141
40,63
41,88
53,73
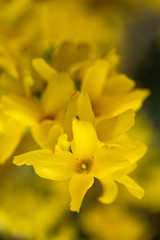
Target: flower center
83,166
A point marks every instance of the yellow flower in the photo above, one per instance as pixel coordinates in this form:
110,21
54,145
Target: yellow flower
103,83
111,92
38,214
86,158
115,222
11,133
41,114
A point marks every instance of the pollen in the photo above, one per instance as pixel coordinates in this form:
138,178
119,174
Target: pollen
83,166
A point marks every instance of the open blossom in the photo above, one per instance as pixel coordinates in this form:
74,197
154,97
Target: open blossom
103,83
40,115
87,158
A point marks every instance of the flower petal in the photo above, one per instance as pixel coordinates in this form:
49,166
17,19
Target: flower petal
119,84
121,102
85,111
22,109
71,113
80,106
78,186
95,78
107,165
63,144
10,138
43,69
110,191
57,94
46,133
110,129
48,165
132,186
85,141
133,154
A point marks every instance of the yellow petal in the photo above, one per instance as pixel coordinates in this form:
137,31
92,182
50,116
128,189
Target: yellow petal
107,165
116,104
9,140
28,83
95,78
123,142
43,69
85,111
26,111
63,144
119,84
48,165
112,57
110,129
46,133
57,94
79,106
85,141
133,154
78,186
110,191
71,112
132,186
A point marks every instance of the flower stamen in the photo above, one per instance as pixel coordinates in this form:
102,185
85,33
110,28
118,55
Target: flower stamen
83,166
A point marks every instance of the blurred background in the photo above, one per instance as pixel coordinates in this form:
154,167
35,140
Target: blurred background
35,208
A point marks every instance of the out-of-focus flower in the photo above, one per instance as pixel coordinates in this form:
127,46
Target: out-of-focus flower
33,209
104,84
43,112
114,222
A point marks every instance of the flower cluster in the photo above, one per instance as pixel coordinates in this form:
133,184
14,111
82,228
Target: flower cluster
78,112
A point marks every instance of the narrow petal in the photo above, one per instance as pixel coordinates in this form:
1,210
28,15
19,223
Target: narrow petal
133,154
132,186
85,111
80,106
107,165
110,129
95,78
110,191
78,186
121,102
57,93
123,142
71,113
26,111
43,69
119,84
46,133
10,138
85,141
28,82
48,165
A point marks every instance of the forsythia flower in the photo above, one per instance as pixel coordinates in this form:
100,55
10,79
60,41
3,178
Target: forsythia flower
103,83
84,159
41,114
